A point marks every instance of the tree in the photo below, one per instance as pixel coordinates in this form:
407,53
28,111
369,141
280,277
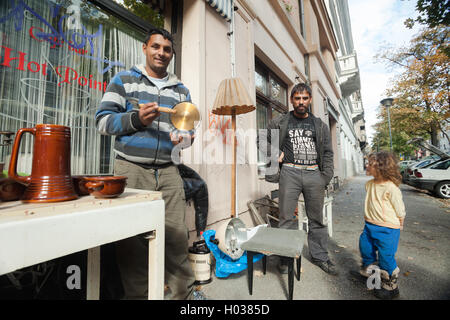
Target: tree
143,10
421,91
401,132
431,13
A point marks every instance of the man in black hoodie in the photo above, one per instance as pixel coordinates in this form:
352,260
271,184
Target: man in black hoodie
306,162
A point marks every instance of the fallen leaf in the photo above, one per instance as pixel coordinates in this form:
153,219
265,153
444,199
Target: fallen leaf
406,273
410,258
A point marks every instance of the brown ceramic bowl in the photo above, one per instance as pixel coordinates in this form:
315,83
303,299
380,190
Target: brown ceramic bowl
79,183
105,187
11,190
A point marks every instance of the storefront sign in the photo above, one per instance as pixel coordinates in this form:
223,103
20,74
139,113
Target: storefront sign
81,43
66,73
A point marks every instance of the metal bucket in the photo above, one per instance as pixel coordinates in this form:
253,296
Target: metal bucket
230,236
200,258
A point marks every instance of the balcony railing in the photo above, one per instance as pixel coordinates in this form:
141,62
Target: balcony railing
349,80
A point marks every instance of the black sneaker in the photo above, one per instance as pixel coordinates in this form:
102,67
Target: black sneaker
327,266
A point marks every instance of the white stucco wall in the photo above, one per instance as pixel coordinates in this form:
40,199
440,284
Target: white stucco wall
264,30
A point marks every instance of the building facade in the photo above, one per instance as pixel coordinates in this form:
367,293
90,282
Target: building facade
271,45
353,138
57,60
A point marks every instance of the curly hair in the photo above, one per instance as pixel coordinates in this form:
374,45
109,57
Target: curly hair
385,164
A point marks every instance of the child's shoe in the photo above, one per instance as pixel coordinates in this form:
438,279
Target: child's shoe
389,287
364,271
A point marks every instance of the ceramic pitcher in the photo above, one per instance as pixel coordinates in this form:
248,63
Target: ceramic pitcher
50,179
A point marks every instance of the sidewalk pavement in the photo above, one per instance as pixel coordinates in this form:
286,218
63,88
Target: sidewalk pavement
423,264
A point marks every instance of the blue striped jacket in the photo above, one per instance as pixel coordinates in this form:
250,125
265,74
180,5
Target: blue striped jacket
116,116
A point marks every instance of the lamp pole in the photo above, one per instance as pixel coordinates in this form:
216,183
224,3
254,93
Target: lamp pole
388,103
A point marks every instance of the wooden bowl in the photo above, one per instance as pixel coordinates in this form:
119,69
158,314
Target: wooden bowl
105,187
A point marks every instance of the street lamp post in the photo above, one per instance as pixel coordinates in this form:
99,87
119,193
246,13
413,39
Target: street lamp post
388,103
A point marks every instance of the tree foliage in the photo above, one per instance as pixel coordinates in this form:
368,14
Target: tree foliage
400,129
421,90
431,13
144,11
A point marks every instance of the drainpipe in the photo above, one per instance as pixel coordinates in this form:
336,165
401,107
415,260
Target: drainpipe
233,74
232,42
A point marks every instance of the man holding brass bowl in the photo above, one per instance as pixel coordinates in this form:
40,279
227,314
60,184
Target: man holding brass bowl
136,109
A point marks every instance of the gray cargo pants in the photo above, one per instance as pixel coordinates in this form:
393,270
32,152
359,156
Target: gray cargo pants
294,181
132,253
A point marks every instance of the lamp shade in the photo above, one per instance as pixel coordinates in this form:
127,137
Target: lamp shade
232,98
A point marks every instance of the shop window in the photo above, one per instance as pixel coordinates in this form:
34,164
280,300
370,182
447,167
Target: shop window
271,100
56,59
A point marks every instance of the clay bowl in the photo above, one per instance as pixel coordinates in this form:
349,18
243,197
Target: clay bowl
105,186
11,190
79,183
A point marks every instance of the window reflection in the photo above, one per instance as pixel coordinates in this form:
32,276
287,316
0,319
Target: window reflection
276,113
260,83
271,102
278,92
61,79
261,116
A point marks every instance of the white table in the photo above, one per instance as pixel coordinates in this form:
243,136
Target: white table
34,233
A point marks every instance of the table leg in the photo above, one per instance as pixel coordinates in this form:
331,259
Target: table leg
93,274
250,271
291,277
155,269
264,262
299,267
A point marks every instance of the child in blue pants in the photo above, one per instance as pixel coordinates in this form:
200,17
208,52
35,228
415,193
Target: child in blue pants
384,214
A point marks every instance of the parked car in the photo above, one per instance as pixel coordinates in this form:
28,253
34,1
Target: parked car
402,165
409,171
434,177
